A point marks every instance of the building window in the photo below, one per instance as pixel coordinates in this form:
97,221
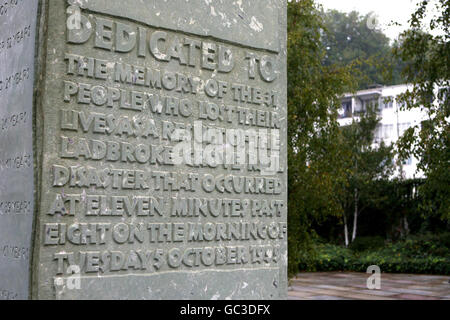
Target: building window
402,127
387,102
382,132
379,134
401,104
389,131
372,103
346,109
407,162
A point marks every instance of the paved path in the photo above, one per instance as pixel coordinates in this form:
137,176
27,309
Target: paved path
352,286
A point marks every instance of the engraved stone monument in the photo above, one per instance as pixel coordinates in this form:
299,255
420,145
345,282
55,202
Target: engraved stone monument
17,49
143,149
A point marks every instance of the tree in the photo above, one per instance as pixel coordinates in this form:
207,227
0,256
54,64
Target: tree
315,181
427,55
350,42
366,166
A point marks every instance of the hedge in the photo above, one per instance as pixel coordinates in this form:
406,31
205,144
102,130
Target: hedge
419,255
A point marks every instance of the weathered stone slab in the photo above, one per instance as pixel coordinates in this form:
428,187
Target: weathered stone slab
207,285
17,38
160,150
253,23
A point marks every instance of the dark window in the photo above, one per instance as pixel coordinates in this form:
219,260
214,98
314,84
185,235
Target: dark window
346,109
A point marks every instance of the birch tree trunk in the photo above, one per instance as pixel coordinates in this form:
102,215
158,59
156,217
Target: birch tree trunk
405,225
355,217
345,231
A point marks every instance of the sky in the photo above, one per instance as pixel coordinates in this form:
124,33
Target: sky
385,11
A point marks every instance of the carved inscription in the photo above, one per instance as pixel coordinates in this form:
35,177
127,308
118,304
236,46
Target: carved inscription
15,252
14,39
14,79
13,121
17,53
17,162
15,207
7,6
8,295
165,154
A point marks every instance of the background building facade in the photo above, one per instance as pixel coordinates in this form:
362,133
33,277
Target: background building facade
394,120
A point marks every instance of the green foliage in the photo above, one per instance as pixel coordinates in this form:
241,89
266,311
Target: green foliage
329,258
350,42
366,166
327,164
313,99
334,173
366,243
428,70
422,246
427,254
398,200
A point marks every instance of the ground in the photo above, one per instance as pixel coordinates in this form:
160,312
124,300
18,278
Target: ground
352,286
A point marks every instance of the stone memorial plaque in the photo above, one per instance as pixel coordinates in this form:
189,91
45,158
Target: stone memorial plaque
17,41
159,151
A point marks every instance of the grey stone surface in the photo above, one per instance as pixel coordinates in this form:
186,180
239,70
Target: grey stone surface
253,23
208,285
117,216
17,39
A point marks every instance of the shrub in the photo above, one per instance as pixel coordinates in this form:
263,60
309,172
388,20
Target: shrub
329,257
426,254
367,243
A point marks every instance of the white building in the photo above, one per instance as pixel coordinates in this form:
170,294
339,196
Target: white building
393,123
